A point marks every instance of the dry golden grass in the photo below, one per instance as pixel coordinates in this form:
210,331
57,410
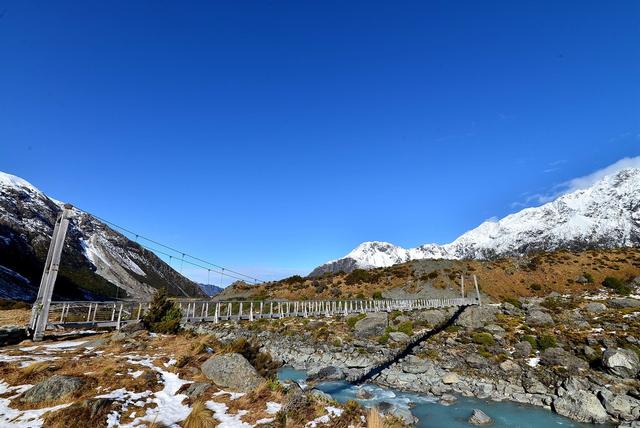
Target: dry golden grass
15,316
200,417
84,413
374,420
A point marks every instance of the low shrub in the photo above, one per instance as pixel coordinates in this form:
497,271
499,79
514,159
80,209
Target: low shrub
382,340
514,301
531,339
405,327
377,295
547,341
358,276
616,285
351,321
482,338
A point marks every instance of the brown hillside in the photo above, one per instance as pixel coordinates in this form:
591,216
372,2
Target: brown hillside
564,272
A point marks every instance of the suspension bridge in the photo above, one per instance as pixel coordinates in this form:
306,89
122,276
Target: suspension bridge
48,314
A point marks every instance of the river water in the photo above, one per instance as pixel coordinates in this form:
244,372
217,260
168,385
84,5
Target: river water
434,415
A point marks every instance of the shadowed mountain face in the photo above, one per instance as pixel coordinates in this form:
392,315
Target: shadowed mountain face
605,215
210,289
97,262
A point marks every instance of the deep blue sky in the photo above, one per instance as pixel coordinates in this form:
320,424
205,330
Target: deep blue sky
271,136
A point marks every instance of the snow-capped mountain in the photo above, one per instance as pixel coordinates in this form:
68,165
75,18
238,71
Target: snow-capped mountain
97,262
605,215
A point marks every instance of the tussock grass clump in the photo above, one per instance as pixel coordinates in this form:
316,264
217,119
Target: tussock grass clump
200,417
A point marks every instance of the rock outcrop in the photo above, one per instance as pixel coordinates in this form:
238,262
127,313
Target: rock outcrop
232,371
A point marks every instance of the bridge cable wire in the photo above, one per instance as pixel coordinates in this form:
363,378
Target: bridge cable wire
222,270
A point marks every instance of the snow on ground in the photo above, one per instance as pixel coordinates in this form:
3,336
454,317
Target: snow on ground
273,407
10,417
533,362
169,409
232,395
325,419
227,421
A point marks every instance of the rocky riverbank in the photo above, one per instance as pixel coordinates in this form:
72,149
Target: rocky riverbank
575,356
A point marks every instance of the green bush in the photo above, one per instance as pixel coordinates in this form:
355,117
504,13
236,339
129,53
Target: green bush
358,276
588,277
377,295
536,287
531,339
382,340
616,285
293,279
405,327
547,341
351,321
483,338
514,301
164,316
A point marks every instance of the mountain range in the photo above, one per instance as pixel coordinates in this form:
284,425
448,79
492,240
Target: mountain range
97,261
605,215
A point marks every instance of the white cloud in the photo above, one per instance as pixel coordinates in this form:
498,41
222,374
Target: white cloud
589,180
579,182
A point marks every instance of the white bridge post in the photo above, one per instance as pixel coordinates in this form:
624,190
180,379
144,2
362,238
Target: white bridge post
40,311
475,281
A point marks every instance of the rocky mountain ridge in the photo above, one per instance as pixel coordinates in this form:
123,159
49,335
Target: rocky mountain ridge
605,215
97,262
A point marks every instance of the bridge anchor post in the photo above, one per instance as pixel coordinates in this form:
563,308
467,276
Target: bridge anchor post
40,311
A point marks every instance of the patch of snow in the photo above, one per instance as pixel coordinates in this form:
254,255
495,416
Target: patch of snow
533,362
232,395
227,421
136,374
66,344
273,407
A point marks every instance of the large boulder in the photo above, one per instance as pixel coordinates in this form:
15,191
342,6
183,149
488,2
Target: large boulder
399,337
522,349
327,373
595,307
296,402
622,407
625,302
475,317
450,378
12,334
581,406
537,318
52,389
231,371
433,316
374,324
560,357
478,417
621,362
